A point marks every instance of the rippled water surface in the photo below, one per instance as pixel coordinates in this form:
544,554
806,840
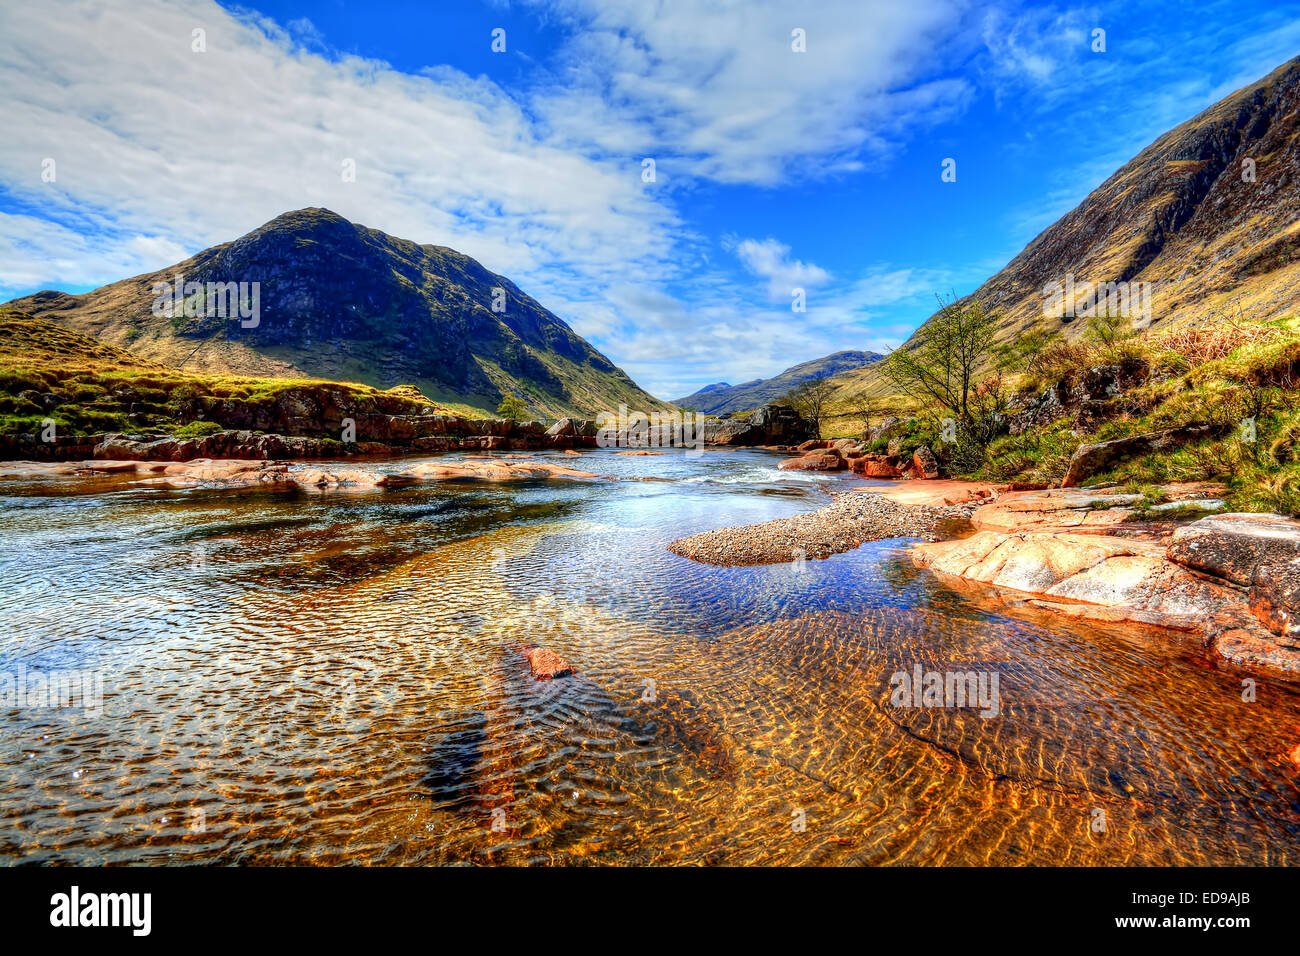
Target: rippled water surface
334,677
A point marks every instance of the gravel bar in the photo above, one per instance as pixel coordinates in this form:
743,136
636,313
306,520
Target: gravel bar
841,526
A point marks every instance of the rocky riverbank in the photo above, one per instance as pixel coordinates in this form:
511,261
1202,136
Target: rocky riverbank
300,436
248,473
849,521
1231,580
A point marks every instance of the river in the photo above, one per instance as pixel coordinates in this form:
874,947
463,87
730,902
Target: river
334,677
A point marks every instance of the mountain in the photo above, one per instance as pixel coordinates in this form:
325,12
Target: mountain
343,302
1214,234
722,398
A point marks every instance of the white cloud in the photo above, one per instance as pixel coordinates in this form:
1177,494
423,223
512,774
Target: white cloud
770,260
717,89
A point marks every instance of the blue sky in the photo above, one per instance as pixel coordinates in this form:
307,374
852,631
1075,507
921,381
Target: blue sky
774,169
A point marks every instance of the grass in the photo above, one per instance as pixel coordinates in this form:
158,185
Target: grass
1240,378
87,386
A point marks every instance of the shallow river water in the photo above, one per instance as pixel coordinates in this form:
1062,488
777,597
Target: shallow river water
334,677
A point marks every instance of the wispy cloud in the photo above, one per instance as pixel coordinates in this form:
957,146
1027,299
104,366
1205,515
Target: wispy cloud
771,260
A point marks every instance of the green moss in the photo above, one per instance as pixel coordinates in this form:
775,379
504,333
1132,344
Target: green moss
197,430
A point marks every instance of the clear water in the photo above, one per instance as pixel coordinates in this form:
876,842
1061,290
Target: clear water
334,677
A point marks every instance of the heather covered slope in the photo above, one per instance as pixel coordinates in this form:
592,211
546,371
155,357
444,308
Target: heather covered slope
342,302
1209,214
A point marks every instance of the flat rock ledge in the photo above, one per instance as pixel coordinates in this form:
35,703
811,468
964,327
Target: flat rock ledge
1232,580
239,473
848,522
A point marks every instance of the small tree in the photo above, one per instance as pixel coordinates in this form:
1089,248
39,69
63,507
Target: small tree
810,398
955,365
944,363
512,407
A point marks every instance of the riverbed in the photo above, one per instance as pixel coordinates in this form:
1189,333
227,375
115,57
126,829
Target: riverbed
293,676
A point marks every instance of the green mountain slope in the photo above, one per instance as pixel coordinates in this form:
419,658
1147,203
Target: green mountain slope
343,302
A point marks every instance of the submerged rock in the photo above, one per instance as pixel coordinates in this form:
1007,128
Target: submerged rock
546,664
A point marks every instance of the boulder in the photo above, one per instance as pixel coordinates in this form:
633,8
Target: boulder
924,464
1129,577
1275,599
876,466
1043,408
882,430
770,425
813,461
1232,546
812,444
1091,459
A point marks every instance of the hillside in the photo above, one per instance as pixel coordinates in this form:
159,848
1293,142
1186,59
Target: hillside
342,302
52,374
722,398
1185,214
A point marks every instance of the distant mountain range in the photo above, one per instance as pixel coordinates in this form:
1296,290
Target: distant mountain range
343,302
721,398
1208,214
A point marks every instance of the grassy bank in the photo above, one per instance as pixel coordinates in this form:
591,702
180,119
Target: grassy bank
1240,379
85,386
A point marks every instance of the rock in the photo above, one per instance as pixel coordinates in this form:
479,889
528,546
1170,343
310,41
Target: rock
1091,459
813,461
1099,384
323,478
546,664
924,464
1045,407
812,444
934,493
1133,578
882,430
1054,510
770,425
1231,546
1197,504
1130,577
1275,599
876,466
495,469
